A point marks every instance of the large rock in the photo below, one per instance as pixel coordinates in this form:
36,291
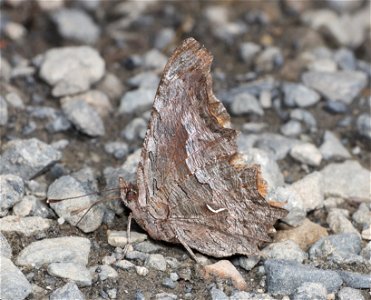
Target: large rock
12,190
304,235
24,225
348,180
27,158
81,183
71,70
284,277
77,25
13,284
47,251
342,85
83,116
344,247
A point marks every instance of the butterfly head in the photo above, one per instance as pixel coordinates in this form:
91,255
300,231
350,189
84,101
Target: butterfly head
128,192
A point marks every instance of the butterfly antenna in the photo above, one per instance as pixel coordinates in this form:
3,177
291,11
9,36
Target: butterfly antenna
79,210
54,200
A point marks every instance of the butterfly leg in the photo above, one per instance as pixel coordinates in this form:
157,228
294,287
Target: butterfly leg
128,244
184,244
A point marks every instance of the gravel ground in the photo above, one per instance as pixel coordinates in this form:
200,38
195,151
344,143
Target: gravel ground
77,83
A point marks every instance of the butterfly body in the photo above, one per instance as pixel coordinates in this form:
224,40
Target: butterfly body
192,186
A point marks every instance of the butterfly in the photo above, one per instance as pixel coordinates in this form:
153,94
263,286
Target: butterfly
193,187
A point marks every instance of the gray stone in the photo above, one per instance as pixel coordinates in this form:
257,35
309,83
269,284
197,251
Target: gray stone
336,107
348,180
27,158
106,272
119,238
167,282
268,59
66,292
339,248
165,296
275,144
356,280
154,59
284,277
127,170
5,248
141,271
71,70
299,95
5,69
310,291
228,31
63,249
147,247
112,293
346,29
332,148
246,141
345,59
124,264
76,25
57,121
310,190
217,294
24,225
255,88
366,233
293,204
111,86
241,295
136,255
245,103
32,206
156,261
291,129
136,128
343,7
12,190
265,99
269,167
323,65
173,263
304,116
74,211
72,271
3,111
342,85
144,80
13,284
364,125
118,149
362,215
347,293
14,100
83,116
174,276
164,38
307,153
287,250
338,221
366,252
96,99
253,127
248,51
248,263
137,100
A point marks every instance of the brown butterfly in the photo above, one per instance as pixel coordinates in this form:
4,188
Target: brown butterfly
193,188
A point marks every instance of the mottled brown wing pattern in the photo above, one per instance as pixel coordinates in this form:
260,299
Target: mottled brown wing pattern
191,186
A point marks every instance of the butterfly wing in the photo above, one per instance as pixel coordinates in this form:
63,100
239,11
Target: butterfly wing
192,184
